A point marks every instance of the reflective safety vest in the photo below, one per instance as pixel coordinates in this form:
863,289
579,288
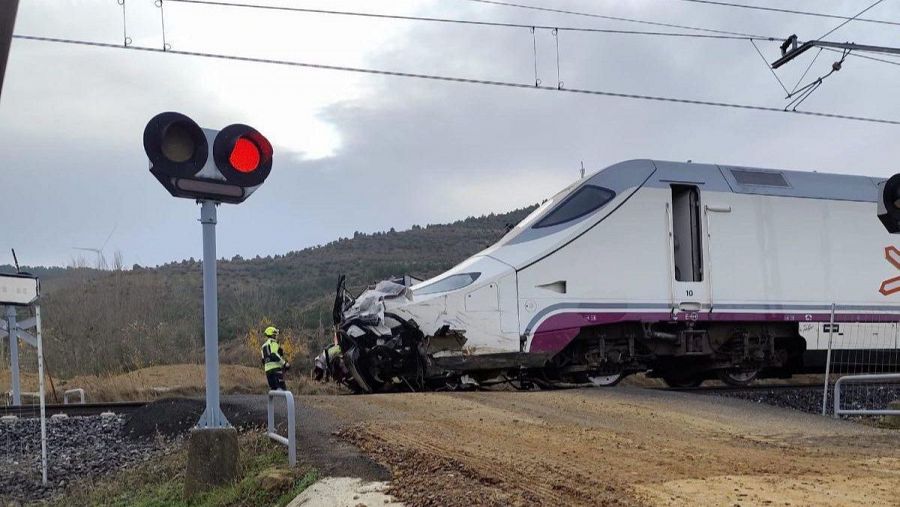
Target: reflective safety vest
272,356
333,351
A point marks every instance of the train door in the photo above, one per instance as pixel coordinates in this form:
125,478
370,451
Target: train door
689,290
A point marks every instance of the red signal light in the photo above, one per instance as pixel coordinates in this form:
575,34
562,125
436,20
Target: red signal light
244,156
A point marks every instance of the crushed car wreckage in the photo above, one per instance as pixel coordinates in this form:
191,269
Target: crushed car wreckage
408,335
374,348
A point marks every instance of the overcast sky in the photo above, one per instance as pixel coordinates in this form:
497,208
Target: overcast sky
355,152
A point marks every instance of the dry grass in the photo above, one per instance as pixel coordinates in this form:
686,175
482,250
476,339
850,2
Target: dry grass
167,381
160,481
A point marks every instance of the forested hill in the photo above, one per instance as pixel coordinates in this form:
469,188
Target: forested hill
97,321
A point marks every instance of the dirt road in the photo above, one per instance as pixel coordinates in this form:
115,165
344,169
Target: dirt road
621,446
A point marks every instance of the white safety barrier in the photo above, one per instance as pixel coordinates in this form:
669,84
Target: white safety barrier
291,440
79,391
860,379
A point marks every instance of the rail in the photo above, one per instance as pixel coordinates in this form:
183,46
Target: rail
859,379
74,409
79,391
291,440
753,387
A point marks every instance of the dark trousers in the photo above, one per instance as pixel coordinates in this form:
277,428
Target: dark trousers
276,379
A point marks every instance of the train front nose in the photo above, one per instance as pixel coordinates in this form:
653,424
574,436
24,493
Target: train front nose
471,307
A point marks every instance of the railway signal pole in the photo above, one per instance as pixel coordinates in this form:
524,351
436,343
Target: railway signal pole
210,167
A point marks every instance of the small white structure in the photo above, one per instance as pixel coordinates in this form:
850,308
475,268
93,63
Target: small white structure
21,290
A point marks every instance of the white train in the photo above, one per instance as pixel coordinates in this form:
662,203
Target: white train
687,271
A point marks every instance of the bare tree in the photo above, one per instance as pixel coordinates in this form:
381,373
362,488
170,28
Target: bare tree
118,261
78,262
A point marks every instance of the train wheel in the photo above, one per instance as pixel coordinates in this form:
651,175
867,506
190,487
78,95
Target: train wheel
606,380
682,382
739,378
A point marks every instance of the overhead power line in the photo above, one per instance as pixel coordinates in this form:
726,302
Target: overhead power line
508,84
895,62
792,11
458,21
618,18
669,25
858,14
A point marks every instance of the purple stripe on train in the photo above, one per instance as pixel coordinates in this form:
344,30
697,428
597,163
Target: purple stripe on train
555,332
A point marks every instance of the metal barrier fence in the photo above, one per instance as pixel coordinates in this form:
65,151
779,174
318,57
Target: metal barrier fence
78,391
860,379
291,440
862,360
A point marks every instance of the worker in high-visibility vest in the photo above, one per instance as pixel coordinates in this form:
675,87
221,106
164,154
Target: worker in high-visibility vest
273,360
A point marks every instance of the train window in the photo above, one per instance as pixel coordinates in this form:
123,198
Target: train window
686,236
452,282
763,178
585,200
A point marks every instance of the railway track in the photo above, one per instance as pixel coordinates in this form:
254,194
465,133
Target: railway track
715,389
118,407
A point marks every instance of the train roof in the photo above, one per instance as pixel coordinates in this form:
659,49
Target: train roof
753,180
644,173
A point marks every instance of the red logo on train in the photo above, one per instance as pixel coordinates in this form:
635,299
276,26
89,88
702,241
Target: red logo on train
891,285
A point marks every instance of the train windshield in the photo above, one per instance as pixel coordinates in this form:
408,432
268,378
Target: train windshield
537,213
585,200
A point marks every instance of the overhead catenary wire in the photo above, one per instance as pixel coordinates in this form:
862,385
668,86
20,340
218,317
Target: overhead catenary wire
709,36
766,62
805,72
455,79
857,55
472,22
126,40
858,14
670,25
619,18
792,11
162,21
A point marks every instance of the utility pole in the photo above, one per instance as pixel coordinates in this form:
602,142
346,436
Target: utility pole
8,9
792,48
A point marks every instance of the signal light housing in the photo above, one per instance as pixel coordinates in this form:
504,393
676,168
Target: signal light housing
243,154
889,204
178,150
175,145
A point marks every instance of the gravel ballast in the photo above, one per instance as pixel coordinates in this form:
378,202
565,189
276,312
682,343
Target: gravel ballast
809,399
78,447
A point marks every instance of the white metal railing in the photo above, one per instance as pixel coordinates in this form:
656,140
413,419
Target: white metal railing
291,440
859,379
79,391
